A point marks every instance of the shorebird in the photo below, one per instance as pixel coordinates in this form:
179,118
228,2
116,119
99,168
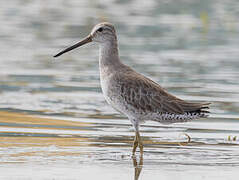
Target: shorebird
131,93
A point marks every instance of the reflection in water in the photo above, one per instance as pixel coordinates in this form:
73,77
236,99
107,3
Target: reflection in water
137,166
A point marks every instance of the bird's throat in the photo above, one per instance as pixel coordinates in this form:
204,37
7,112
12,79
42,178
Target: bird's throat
109,55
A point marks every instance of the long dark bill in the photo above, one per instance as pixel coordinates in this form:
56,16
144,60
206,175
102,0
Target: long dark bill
82,42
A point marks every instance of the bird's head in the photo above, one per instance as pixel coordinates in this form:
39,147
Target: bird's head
101,33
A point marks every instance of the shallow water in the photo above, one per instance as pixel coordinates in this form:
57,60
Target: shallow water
54,121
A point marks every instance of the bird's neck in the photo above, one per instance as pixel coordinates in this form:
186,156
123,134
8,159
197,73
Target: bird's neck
109,55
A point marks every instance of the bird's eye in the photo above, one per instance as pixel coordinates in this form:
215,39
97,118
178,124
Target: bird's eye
100,29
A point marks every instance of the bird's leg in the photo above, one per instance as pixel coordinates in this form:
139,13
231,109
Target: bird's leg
140,143
137,142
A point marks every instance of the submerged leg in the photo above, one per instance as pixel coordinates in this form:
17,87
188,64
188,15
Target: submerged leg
137,166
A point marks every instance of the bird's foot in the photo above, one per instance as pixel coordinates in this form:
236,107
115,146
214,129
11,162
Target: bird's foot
185,143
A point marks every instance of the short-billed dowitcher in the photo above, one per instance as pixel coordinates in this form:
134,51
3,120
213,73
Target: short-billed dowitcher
131,93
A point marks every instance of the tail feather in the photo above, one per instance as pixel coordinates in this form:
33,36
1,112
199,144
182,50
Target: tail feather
194,107
191,111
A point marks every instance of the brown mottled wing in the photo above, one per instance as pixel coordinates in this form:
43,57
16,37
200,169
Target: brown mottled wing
147,96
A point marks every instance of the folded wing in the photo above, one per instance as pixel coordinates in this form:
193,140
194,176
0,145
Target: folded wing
148,96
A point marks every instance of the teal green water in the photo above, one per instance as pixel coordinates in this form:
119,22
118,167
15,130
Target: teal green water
189,47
